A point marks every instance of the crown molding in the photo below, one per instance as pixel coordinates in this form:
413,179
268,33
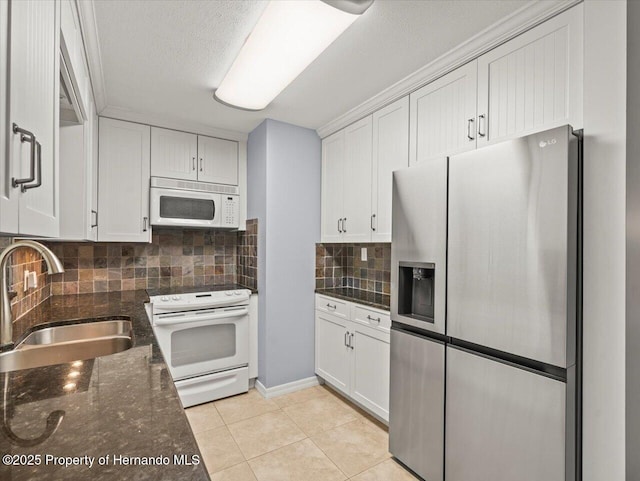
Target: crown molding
168,122
89,28
523,19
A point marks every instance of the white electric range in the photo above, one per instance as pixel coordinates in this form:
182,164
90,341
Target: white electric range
204,338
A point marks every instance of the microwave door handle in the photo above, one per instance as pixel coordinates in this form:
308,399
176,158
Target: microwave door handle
168,321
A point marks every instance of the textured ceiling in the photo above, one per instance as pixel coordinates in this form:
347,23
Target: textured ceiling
165,57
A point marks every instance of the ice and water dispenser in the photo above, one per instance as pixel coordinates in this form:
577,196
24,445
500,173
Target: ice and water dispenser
415,290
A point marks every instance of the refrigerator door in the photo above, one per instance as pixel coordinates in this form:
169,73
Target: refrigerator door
419,240
512,246
416,410
504,423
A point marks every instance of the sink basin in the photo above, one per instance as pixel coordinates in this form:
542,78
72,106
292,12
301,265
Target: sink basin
77,332
62,344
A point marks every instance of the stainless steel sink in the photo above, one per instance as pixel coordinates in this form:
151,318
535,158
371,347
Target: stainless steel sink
62,344
77,332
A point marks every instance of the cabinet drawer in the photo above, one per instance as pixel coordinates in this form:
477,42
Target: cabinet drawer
372,317
333,306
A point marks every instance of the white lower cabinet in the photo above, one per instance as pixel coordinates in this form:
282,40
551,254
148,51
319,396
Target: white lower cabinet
352,355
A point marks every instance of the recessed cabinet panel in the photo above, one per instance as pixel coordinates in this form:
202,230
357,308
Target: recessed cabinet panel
33,106
443,115
533,82
124,181
356,224
217,160
332,351
390,152
174,154
332,187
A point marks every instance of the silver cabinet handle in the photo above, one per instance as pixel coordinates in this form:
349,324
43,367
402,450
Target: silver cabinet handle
95,212
482,128
470,129
144,224
374,319
38,183
344,225
330,306
373,216
26,136
193,163
351,340
339,225
346,335
201,164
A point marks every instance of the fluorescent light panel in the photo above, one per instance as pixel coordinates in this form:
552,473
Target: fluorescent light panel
287,38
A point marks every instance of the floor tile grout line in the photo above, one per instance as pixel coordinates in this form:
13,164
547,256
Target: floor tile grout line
329,458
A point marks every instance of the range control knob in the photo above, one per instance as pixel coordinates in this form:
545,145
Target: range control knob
238,293
176,298
164,298
228,293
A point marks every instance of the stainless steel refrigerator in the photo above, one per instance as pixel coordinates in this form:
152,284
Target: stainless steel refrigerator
485,371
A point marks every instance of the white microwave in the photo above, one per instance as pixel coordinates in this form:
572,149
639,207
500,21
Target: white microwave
181,203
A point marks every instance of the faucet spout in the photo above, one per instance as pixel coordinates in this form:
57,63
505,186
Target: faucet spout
54,266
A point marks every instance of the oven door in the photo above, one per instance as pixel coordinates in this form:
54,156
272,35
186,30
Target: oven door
200,342
174,207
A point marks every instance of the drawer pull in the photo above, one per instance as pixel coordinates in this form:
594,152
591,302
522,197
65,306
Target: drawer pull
331,307
374,319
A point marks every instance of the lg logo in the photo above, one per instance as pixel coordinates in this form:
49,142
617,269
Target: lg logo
544,143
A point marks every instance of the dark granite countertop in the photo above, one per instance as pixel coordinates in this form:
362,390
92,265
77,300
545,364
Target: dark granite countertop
367,298
174,291
124,404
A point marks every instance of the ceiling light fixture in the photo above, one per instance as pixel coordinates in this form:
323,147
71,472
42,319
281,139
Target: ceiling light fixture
289,35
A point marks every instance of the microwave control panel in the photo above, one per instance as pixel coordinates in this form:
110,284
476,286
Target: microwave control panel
230,211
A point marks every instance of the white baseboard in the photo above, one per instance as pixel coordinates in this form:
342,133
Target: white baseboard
287,388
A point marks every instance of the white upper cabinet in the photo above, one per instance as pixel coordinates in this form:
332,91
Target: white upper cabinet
332,187
124,174
217,160
181,155
390,152
533,82
443,115
174,154
30,197
356,223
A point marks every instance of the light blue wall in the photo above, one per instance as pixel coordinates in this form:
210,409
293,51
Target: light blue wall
284,194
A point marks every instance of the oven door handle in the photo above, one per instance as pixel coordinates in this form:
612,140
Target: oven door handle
169,321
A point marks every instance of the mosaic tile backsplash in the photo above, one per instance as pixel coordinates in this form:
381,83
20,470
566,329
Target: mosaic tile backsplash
174,258
340,265
26,259
248,255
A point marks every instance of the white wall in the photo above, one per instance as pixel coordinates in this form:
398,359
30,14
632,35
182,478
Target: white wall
284,194
604,241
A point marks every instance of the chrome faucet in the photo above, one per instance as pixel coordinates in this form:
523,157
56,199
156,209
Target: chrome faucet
54,266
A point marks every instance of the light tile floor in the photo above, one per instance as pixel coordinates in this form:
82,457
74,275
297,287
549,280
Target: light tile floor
310,435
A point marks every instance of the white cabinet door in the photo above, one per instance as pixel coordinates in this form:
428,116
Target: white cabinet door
33,106
533,82
442,115
174,154
356,225
217,160
332,187
124,174
332,351
390,152
370,364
